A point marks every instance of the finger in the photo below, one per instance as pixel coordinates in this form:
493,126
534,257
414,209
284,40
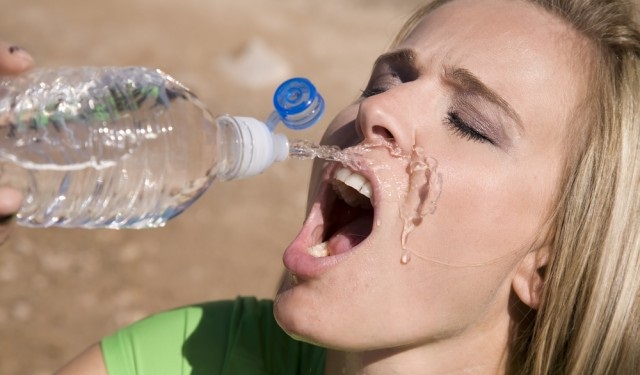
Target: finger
14,59
10,201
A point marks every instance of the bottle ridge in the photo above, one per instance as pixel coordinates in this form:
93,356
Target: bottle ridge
129,147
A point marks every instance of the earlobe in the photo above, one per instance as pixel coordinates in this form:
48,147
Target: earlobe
529,278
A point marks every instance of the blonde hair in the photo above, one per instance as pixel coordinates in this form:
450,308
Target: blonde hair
589,319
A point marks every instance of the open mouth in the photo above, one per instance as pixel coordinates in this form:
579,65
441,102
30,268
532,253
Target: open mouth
347,213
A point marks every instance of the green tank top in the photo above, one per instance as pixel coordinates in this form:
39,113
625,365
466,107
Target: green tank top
238,337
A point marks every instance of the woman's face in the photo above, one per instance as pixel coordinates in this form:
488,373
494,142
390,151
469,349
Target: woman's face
483,90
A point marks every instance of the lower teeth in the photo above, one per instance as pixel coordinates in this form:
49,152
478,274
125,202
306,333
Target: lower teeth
318,251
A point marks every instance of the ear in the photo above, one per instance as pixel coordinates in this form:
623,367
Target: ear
529,278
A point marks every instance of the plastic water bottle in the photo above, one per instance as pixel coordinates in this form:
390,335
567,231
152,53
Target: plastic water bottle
129,147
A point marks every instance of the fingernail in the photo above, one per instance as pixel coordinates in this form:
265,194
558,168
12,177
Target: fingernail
14,59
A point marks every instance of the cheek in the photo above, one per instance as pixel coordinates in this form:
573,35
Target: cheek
484,217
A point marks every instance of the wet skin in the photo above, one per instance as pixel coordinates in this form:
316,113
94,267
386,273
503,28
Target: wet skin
490,101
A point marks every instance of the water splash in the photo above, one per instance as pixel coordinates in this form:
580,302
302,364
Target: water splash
352,157
425,186
303,149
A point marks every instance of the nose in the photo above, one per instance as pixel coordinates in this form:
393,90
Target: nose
384,117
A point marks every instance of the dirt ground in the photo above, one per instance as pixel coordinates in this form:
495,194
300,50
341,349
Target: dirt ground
62,289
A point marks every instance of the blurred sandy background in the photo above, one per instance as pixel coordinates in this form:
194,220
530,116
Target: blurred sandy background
61,290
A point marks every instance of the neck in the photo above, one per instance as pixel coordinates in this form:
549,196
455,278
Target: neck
484,355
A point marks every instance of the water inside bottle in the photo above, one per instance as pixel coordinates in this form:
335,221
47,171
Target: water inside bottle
104,147
70,119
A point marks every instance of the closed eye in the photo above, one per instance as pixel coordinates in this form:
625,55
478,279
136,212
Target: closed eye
369,92
390,70
461,128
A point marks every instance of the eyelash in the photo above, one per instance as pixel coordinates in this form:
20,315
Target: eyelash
369,92
457,125
382,83
464,130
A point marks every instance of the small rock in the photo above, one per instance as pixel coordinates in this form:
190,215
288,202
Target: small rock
126,317
55,261
22,311
130,253
255,66
8,272
4,317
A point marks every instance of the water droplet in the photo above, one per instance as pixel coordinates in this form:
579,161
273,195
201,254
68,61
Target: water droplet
406,257
424,187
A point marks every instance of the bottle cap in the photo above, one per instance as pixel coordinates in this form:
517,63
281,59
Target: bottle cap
298,103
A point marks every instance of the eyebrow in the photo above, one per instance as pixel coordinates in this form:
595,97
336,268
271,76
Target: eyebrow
469,84
462,79
404,56
403,61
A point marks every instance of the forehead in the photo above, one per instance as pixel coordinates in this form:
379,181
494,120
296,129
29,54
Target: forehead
521,51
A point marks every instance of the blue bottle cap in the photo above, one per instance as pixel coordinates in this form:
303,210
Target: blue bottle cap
298,103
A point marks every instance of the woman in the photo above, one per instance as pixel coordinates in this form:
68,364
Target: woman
501,234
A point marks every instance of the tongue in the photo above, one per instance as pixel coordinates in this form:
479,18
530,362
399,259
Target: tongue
350,235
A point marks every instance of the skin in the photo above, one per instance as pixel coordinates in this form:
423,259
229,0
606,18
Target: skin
13,60
447,311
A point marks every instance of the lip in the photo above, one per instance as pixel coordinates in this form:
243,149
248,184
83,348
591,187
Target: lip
296,258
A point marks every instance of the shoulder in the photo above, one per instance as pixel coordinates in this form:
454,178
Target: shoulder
177,339
222,337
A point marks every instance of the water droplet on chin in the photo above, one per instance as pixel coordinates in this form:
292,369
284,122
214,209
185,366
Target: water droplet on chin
406,257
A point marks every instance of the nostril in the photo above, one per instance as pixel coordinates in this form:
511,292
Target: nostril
378,119
382,132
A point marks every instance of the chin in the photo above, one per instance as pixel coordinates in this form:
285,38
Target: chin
296,313
344,241
339,222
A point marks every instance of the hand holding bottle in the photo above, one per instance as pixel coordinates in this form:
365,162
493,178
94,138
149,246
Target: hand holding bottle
13,60
129,147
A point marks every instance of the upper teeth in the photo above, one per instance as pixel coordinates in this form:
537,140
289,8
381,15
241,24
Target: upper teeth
354,188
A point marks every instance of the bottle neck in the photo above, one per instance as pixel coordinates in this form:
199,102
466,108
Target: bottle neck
247,147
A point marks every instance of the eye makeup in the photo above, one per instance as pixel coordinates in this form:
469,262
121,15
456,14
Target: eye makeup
472,118
463,129
476,112
391,69
479,112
